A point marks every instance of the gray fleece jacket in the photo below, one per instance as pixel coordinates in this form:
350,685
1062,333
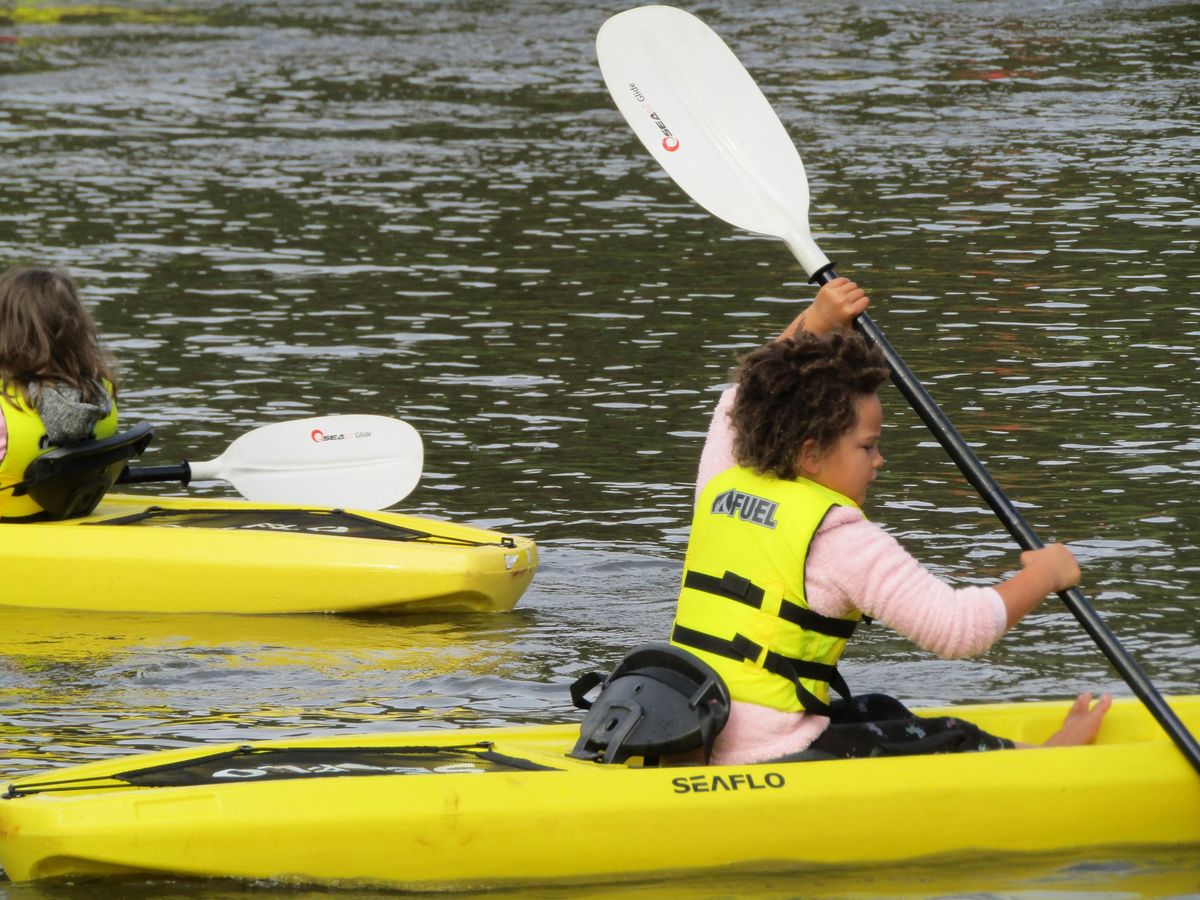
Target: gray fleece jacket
67,416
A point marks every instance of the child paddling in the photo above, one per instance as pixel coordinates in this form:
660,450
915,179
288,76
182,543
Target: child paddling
782,564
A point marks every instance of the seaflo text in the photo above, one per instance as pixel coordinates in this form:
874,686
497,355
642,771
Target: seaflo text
734,781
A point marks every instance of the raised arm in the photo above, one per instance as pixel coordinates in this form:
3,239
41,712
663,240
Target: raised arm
835,307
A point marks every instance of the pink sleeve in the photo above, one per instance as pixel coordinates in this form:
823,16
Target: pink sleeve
853,563
717,455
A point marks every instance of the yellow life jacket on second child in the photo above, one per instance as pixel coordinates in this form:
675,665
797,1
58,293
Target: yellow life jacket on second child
742,607
27,440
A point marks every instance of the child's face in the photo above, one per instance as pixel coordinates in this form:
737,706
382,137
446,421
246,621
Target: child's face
849,466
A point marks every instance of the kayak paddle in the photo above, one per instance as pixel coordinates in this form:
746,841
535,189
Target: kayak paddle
701,115
360,462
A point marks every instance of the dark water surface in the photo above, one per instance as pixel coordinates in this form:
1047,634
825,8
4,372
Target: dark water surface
432,210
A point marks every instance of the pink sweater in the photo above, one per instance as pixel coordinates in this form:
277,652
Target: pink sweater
884,582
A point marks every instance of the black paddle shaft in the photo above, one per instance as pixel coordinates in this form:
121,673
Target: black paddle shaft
147,474
979,477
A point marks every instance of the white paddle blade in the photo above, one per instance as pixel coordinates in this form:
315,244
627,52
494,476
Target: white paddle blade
701,115
357,462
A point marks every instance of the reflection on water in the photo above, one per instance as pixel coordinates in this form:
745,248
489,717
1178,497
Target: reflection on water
283,209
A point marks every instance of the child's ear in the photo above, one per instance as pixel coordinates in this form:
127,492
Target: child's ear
809,457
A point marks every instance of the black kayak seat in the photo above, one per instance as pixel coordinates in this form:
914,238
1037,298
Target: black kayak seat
660,700
69,482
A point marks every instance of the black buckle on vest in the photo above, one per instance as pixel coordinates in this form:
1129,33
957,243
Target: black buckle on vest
736,584
745,647
731,586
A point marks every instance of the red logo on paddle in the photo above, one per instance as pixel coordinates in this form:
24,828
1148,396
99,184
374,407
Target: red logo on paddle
670,143
317,435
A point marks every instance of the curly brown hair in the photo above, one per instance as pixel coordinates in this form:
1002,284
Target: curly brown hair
794,389
48,336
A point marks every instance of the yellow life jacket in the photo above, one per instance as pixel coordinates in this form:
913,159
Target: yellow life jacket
742,607
27,440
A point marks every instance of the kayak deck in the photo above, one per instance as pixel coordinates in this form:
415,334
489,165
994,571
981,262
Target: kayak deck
140,554
491,806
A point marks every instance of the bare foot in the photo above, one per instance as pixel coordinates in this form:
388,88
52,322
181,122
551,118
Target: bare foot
1082,722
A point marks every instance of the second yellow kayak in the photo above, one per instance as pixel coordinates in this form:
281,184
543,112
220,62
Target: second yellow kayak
141,554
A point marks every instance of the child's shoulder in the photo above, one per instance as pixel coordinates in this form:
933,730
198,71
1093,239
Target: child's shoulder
848,535
843,516
845,530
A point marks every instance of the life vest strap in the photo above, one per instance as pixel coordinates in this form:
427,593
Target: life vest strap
741,649
813,621
690,637
732,586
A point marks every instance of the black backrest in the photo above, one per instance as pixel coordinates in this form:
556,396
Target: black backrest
660,700
68,482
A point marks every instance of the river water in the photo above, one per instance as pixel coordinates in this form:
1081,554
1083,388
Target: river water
433,211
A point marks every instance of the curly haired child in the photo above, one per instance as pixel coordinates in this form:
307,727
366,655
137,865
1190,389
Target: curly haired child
782,564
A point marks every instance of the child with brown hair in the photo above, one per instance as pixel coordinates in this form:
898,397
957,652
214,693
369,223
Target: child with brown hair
57,386
782,564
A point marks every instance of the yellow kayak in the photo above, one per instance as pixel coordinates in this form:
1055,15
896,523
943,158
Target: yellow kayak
480,807
143,554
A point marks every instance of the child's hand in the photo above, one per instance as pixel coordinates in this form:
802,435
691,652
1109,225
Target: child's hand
1043,572
836,306
1054,563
